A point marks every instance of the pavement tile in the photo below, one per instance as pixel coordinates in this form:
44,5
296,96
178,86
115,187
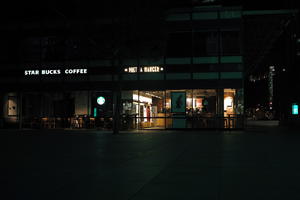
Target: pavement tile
261,163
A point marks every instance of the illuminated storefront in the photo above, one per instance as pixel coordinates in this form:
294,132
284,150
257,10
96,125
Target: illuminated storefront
140,109
193,81
180,109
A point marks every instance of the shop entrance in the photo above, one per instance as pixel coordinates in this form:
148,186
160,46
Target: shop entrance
143,109
233,108
170,109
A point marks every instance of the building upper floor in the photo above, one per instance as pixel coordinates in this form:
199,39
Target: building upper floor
126,38
205,41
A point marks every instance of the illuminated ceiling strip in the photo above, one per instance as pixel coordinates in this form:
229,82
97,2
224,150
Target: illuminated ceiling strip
269,12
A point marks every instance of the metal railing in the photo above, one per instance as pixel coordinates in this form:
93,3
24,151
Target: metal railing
186,122
131,122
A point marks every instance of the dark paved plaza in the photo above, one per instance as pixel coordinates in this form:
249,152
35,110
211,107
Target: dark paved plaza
258,163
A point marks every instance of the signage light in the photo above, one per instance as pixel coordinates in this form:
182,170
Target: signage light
100,100
144,69
295,109
55,71
95,112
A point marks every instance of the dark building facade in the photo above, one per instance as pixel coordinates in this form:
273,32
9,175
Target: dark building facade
272,64
186,72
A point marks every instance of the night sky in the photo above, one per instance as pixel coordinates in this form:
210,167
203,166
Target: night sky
31,10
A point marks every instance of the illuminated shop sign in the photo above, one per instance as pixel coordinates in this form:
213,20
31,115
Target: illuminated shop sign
295,109
100,100
144,69
54,72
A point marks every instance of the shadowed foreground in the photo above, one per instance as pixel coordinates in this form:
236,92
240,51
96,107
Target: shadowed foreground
255,164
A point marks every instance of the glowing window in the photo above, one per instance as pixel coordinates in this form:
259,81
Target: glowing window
227,102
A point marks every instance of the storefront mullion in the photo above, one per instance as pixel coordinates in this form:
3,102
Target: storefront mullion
193,107
165,110
139,111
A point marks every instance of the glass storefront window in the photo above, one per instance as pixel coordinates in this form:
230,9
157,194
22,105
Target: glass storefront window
183,108
143,109
178,103
152,109
129,102
68,109
129,109
204,101
194,108
204,108
233,108
168,109
240,101
229,102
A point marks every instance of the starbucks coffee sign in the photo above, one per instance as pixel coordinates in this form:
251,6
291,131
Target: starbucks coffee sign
71,71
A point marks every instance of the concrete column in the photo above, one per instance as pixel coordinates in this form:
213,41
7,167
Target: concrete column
220,107
116,110
20,109
1,110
